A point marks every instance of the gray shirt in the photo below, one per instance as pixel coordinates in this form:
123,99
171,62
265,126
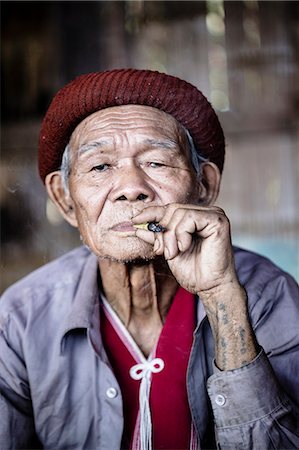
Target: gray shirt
58,390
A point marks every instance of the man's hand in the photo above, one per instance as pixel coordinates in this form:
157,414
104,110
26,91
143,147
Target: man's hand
197,246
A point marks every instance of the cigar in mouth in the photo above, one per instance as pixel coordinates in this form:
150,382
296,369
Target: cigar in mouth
150,226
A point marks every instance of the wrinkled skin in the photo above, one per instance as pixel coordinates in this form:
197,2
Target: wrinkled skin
124,174
131,164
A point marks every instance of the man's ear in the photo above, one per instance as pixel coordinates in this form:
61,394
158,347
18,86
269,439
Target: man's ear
209,184
60,197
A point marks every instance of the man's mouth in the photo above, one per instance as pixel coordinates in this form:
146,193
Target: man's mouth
123,227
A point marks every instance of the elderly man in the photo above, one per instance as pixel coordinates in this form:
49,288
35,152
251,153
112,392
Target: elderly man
157,333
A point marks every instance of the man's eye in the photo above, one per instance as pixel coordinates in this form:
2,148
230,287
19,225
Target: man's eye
155,164
101,167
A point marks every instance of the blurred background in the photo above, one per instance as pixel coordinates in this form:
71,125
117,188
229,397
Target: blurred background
242,54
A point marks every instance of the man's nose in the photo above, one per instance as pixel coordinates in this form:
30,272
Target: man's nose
131,185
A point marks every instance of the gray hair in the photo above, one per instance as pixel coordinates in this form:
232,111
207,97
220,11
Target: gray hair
196,160
65,167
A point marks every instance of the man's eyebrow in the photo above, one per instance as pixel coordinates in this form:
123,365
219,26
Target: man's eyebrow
93,145
164,143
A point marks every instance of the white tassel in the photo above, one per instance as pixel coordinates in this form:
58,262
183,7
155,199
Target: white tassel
143,372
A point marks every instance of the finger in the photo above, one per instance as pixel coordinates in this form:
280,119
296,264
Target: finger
159,244
163,214
213,223
169,236
184,235
166,243
152,238
150,214
183,224
146,236
202,223
171,249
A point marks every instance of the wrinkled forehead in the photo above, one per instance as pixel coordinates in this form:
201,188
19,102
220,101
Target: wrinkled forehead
134,119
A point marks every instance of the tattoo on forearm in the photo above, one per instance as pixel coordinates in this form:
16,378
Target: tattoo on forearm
235,344
224,316
232,338
243,348
224,353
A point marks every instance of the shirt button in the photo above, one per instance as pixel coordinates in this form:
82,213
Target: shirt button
111,392
220,400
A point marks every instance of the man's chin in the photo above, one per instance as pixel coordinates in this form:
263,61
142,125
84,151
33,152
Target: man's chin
127,253
137,259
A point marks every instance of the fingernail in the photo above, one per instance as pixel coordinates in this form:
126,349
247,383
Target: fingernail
180,246
166,253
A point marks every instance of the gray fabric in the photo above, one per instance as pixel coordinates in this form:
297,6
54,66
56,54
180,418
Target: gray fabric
54,372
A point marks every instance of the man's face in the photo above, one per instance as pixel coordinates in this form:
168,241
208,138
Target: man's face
125,159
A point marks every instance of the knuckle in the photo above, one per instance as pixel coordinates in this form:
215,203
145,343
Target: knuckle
177,213
172,213
220,216
219,210
222,225
173,206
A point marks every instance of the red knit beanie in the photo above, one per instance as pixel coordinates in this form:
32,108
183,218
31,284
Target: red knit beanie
95,91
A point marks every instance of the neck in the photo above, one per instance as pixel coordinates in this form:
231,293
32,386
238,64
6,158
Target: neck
141,294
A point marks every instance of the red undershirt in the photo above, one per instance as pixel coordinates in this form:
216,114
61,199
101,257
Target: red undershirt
171,418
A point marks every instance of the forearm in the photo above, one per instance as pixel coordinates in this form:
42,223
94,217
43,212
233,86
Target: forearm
226,308
258,402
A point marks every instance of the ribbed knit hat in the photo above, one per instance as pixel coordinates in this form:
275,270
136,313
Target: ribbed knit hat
92,92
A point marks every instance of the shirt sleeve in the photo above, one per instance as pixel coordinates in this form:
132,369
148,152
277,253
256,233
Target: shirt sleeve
16,414
251,410
257,405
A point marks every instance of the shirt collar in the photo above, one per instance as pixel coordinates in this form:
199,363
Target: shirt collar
86,296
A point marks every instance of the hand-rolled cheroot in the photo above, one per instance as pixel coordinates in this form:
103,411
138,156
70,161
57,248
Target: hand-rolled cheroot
150,226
